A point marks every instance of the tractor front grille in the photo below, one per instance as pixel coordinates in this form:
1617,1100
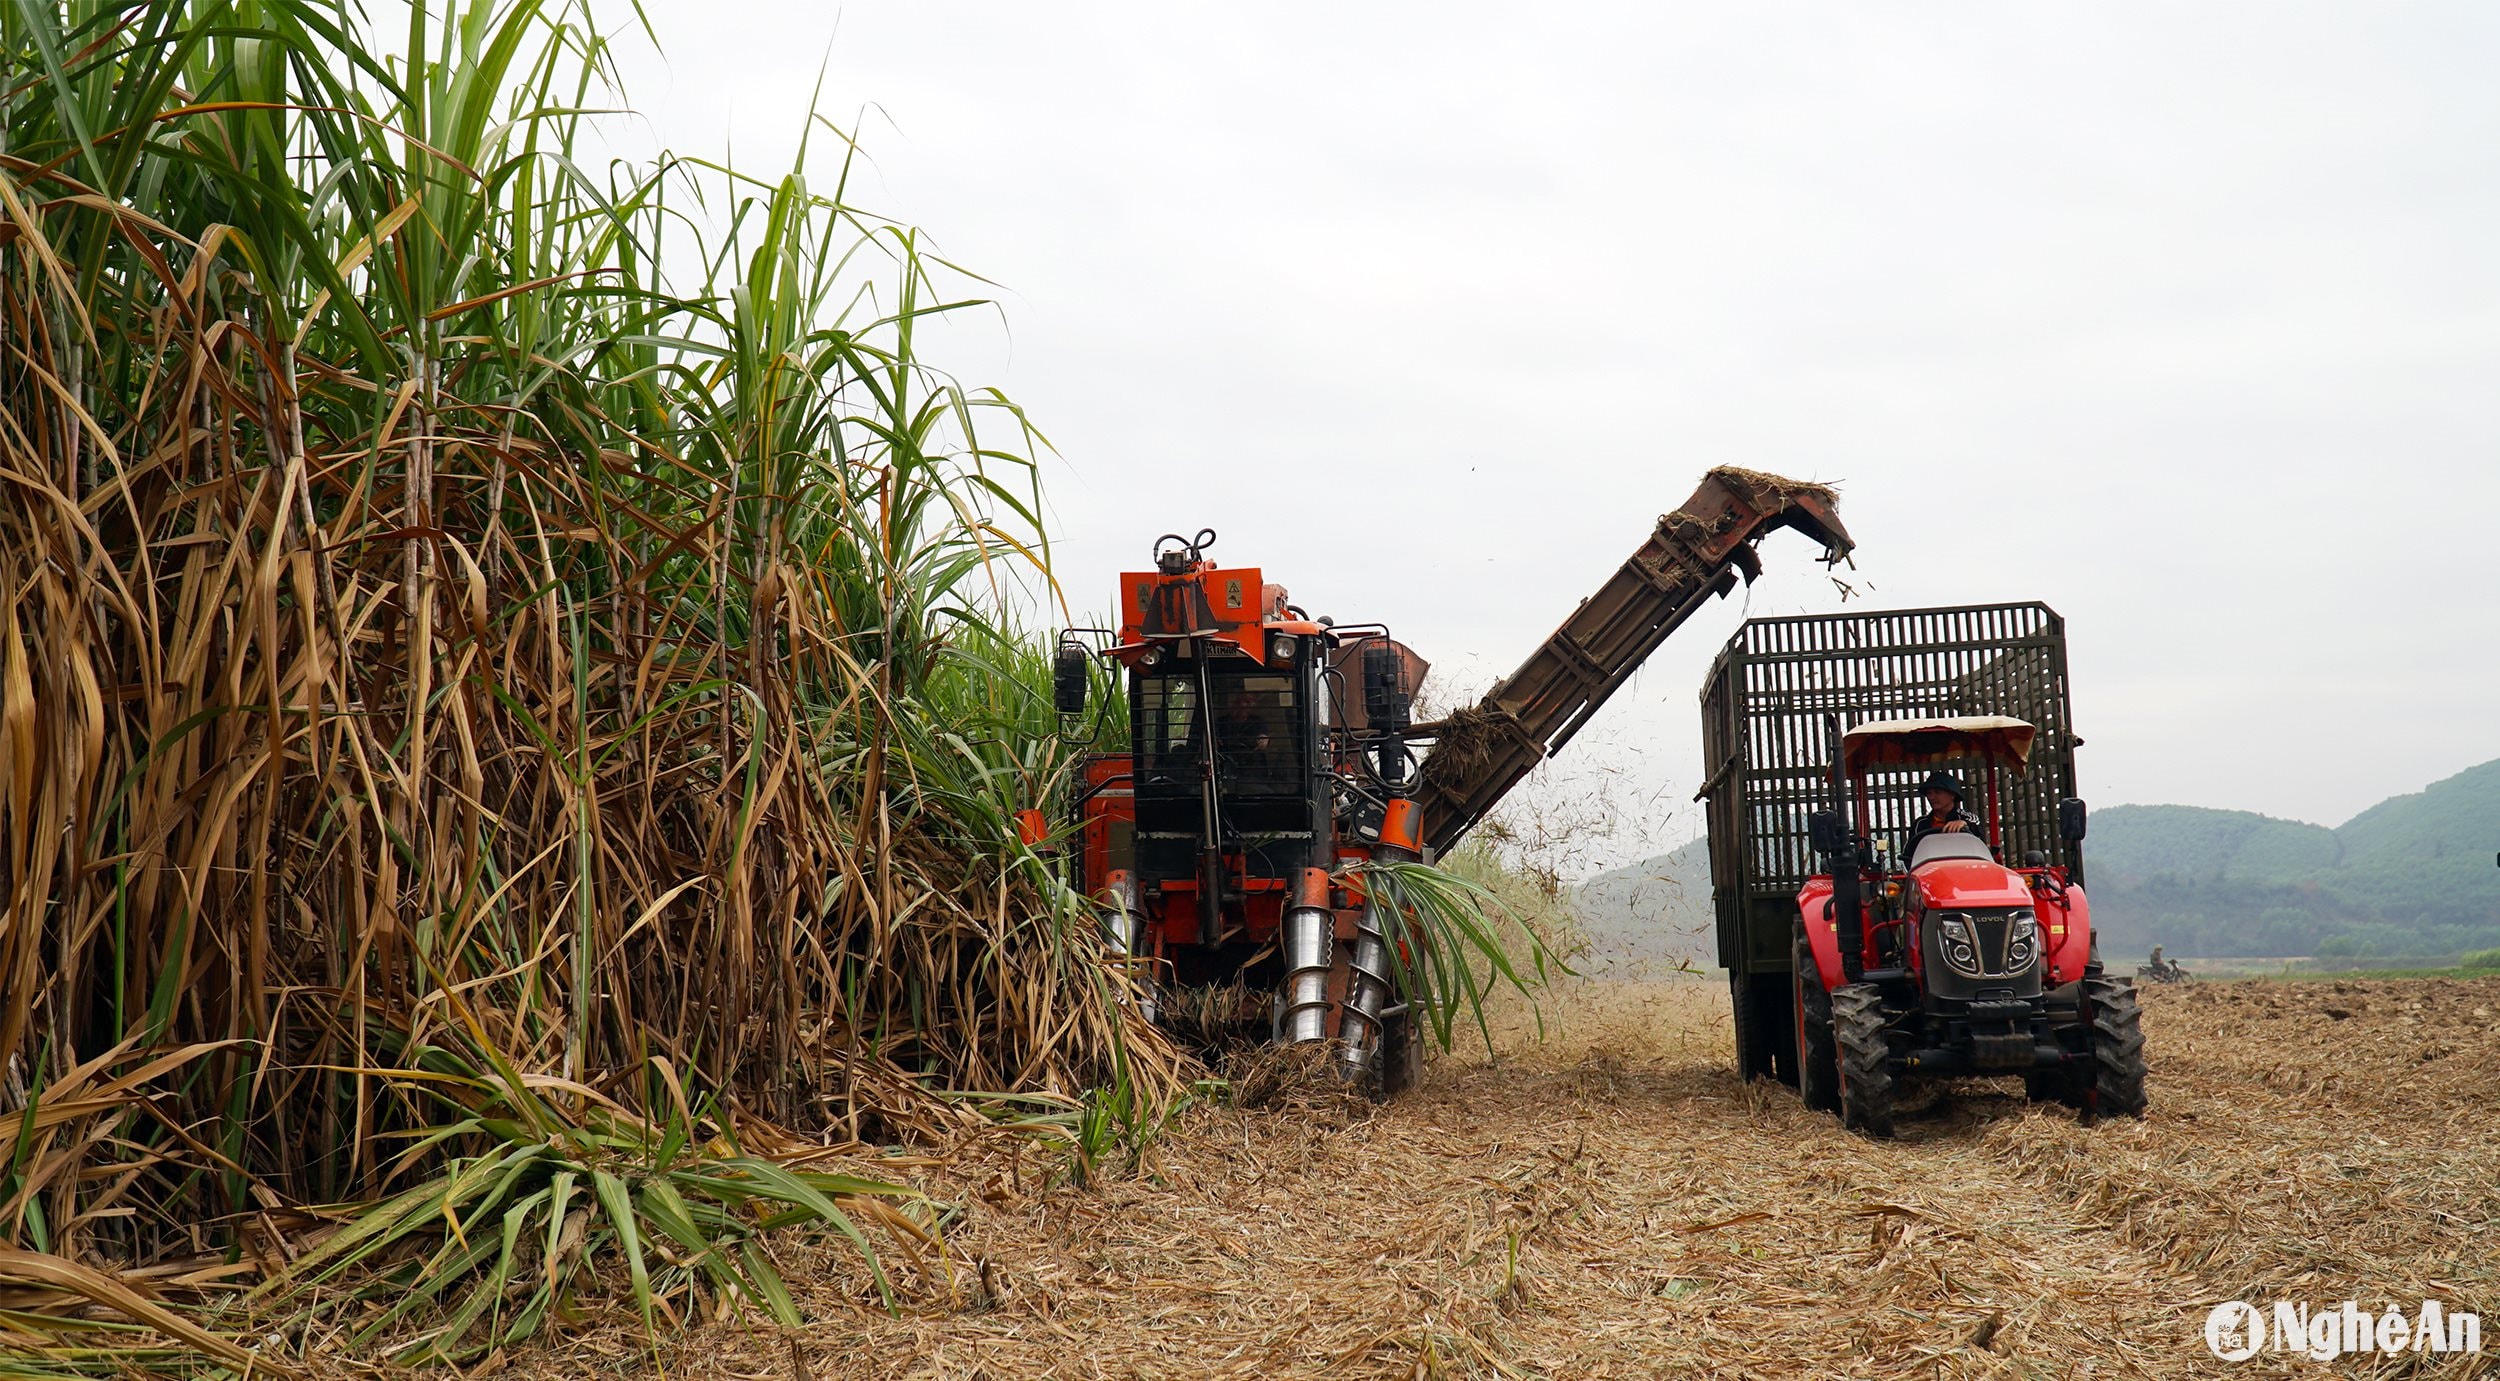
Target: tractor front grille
1990,929
1971,953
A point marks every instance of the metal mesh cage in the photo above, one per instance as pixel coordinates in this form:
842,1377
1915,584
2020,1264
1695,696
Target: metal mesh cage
1764,712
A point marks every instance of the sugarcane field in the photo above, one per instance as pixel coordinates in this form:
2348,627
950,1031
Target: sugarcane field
950,693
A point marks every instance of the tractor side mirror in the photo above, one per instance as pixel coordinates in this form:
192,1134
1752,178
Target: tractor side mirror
1824,831
1070,677
2070,820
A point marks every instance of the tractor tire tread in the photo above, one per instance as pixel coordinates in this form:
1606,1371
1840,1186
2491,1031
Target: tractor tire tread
1865,1059
2117,1037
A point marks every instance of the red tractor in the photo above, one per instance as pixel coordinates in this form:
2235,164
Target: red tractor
1946,963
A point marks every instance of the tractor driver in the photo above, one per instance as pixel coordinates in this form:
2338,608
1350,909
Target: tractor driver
1944,813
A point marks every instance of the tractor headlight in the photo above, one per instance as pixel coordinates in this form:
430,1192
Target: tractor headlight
1281,647
1953,942
1152,656
2022,941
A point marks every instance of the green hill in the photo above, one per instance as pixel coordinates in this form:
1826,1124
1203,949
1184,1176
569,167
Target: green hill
2413,874
2195,842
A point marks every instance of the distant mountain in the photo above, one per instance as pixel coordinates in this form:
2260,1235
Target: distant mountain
1649,916
2413,874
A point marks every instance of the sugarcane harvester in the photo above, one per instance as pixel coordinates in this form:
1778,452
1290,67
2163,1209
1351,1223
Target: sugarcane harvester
1272,755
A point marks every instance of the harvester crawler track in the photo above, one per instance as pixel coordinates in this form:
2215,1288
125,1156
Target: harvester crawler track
1697,552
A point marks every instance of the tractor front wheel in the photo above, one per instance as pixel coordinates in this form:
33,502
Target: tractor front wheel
1864,1058
2117,1036
1818,1070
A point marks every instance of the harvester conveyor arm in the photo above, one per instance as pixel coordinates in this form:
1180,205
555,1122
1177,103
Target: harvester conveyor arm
1696,552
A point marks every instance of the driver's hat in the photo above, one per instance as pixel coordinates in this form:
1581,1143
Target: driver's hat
1944,781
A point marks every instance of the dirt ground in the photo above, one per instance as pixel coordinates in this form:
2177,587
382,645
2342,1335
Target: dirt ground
1611,1202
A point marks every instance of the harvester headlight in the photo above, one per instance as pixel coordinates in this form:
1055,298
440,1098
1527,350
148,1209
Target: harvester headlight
1281,647
1152,656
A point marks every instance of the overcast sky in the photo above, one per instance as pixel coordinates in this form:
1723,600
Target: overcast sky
2184,319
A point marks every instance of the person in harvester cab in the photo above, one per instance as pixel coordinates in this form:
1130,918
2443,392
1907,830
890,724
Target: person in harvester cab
1944,813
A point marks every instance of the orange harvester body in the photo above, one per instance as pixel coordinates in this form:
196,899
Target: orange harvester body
1274,775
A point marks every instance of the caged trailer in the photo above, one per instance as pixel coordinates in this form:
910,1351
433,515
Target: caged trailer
1857,965
1272,756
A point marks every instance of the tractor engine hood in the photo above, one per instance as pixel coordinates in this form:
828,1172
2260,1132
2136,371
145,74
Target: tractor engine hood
1969,884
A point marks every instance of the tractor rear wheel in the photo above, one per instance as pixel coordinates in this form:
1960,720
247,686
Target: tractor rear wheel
1864,1058
2117,1037
1818,1071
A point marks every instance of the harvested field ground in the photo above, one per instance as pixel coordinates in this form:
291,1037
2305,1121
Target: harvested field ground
1612,1203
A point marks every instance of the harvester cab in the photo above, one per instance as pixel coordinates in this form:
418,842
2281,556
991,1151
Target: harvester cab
1940,961
1268,753
1273,765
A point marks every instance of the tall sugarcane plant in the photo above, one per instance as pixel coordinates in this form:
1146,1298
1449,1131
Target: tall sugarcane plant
494,661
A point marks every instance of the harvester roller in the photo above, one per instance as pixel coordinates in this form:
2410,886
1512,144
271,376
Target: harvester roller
1371,986
1309,942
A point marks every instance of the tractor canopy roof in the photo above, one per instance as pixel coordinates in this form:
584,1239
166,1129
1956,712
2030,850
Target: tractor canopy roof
1922,742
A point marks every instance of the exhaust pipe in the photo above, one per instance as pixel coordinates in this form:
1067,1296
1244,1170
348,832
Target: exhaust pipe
1310,940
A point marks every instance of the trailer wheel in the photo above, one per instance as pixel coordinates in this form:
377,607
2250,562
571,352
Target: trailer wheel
2117,1037
1758,1003
1818,1070
1865,1059
1752,1061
